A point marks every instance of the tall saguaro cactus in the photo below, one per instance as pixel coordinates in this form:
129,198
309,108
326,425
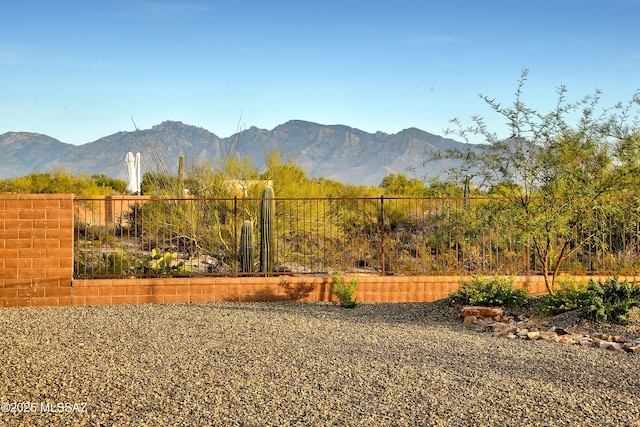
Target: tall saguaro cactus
247,247
267,225
181,175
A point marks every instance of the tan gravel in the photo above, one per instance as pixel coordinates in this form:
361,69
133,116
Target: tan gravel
297,364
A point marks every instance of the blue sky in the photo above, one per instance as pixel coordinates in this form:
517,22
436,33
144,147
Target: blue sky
80,70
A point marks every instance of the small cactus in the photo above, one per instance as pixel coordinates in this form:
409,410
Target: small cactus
267,225
247,247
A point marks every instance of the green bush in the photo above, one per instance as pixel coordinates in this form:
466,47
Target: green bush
612,300
62,182
494,291
569,296
343,291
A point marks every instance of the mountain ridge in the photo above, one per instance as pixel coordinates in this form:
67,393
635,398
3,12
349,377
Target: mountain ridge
336,152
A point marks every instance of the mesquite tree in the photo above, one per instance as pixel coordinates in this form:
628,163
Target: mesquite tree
557,167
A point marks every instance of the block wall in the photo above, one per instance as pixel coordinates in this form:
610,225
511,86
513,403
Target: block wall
371,289
107,210
36,249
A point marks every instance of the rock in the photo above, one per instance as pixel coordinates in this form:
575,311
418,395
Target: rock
560,331
505,331
533,335
533,329
511,329
548,335
633,348
481,311
469,320
498,326
605,345
585,342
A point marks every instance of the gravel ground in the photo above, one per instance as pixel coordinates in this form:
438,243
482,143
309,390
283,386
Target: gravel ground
280,364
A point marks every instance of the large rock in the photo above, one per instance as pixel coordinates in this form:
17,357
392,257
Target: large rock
472,311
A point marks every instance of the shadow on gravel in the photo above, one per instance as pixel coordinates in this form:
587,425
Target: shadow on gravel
438,312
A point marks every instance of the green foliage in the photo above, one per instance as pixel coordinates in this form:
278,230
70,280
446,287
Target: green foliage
492,291
290,180
400,185
612,300
62,182
569,296
247,247
118,186
575,152
287,177
438,188
117,263
343,291
158,184
505,189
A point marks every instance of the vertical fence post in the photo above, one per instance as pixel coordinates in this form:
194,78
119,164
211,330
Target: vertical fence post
382,235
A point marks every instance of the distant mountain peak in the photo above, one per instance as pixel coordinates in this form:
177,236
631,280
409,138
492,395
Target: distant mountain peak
336,152
170,124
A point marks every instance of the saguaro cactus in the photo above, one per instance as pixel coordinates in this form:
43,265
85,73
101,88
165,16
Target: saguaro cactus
181,174
247,247
267,225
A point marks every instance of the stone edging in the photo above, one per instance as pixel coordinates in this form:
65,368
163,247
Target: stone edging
532,329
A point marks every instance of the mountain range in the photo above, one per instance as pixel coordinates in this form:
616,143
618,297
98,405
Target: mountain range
334,152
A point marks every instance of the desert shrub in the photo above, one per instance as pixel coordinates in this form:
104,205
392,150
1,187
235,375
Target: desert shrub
484,290
103,181
569,296
612,300
343,291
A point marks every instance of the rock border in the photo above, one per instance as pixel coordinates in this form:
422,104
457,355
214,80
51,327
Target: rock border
533,329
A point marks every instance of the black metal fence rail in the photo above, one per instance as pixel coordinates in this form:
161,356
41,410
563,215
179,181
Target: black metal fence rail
135,237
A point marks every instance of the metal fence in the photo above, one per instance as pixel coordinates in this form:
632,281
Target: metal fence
147,237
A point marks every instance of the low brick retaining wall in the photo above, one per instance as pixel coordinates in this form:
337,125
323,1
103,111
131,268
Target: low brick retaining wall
370,289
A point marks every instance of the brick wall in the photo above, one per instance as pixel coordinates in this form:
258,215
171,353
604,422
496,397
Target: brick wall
370,289
36,249
106,210
36,264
